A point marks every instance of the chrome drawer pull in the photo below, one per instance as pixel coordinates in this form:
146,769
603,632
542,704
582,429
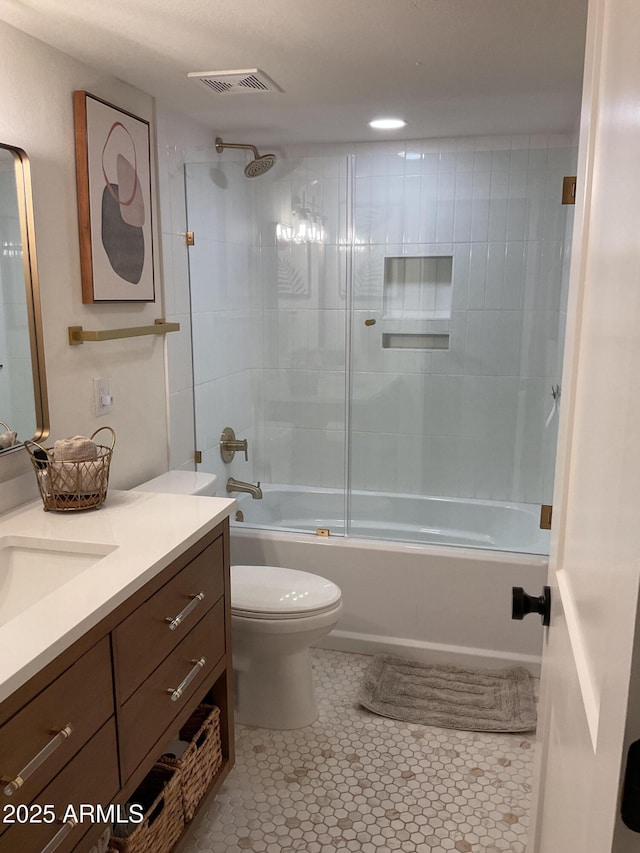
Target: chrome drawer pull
195,601
60,836
177,693
40,758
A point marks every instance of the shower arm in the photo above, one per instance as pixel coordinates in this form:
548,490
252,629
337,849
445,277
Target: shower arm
220,146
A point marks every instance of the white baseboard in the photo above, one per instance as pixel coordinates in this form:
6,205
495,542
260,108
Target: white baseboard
373,644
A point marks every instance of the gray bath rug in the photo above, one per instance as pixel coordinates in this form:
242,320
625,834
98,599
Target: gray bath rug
452,697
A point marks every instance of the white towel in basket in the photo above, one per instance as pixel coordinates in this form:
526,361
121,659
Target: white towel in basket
74,469
74,449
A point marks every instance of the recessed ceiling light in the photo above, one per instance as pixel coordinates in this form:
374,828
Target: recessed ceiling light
387,123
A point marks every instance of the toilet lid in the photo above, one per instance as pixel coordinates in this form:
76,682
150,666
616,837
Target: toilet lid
272,589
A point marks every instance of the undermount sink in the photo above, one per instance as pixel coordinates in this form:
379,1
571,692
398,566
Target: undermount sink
31,568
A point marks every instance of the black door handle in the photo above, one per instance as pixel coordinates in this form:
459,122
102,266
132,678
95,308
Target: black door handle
523,604
630,808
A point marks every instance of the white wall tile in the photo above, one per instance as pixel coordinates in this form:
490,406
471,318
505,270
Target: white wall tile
513,294
496,261
482,160
444,221
238,394
411,461
460,276
462,220
501,160
181,429
443,406
498,216
480,211
441,474
411,210
180,369
388,225
207,269
478,261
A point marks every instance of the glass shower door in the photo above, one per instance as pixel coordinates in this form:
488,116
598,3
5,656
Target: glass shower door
459,287
267,275
222,266
301,382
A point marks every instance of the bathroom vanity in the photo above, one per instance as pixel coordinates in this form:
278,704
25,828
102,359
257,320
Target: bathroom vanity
114,625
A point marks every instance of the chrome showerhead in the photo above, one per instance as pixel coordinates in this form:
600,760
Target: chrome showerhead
260,164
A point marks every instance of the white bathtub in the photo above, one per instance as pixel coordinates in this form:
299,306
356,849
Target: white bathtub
430,602
406,518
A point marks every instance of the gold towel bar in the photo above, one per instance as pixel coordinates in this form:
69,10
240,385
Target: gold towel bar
77,335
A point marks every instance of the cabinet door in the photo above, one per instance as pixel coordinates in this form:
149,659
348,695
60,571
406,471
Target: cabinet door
91,778
77,703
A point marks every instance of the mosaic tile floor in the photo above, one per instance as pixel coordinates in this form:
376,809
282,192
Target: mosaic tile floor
357,782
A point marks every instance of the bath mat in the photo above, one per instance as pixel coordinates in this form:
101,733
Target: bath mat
452,697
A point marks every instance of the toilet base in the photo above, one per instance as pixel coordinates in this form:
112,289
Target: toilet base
275,692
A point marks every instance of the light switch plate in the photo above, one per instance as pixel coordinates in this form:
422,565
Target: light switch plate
102,396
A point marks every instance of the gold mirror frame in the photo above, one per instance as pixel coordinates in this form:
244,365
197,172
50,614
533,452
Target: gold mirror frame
32,287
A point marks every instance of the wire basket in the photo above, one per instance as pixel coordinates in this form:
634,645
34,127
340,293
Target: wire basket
67,485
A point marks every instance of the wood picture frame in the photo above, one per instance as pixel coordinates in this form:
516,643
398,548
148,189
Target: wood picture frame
113,176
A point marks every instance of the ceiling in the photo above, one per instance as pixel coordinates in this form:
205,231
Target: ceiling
449,67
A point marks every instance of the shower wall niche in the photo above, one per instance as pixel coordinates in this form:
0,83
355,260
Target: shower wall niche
416,303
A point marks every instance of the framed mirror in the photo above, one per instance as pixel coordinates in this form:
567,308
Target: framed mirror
23,388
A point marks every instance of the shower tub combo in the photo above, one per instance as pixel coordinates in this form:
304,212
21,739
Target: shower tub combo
440,592
378,335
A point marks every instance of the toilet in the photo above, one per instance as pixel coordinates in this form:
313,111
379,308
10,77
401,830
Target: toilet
276,615
181,483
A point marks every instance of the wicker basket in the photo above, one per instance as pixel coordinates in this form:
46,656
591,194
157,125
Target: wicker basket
163,819
201,760
71,485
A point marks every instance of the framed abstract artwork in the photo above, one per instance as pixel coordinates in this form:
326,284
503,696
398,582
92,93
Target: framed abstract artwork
113,173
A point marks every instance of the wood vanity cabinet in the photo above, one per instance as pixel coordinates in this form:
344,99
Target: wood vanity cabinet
110,701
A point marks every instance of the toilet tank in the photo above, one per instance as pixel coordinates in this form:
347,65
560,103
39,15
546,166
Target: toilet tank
181,483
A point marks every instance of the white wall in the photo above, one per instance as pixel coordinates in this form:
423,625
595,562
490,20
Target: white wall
36,114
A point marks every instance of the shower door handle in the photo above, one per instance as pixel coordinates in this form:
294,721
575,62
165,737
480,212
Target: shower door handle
523,604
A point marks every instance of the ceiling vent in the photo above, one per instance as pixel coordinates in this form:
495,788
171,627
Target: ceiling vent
236,82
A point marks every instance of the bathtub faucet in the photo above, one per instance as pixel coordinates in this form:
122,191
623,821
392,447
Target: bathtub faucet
239,486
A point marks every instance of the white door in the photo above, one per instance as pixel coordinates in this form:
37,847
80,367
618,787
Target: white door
589,707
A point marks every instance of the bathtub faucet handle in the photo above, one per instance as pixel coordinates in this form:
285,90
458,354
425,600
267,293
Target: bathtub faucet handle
229,444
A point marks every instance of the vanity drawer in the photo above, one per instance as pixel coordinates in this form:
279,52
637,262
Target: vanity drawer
90,778
81,698
148,713
145,638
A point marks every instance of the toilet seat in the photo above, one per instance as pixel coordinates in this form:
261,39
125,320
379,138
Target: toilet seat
273,592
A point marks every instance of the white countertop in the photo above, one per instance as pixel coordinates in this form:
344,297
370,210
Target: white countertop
146,532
